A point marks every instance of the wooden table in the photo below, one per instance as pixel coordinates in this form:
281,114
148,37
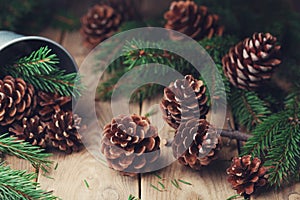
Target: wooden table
68,179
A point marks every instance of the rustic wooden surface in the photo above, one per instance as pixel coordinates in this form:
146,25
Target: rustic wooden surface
68,179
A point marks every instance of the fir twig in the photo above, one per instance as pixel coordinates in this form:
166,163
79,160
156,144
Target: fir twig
40,69
247,108
24,150
276,141
17,184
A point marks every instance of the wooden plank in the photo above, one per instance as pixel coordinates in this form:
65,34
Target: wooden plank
73,170
208,183
288,193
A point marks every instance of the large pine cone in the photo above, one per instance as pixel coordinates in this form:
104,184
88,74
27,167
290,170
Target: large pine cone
62,131
98,24
252,61
193,20
183,100
246,174
196,143
130,144
17,100
32,130
51,103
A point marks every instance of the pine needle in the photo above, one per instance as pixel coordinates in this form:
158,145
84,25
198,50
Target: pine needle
86,183
156,188
55,168
176,184
158,176
184,182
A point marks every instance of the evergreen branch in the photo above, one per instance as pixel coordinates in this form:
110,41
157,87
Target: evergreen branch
24,150
56,82
138,53
17,184
276,140
40,70
38,62
247,108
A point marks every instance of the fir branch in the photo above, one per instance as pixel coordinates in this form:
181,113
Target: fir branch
276,140
40,69
56,82
17,184
218,46
24,150
38,62
247,108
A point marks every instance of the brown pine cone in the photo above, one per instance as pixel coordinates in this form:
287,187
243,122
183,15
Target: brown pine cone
183,100
196,143
98,24
252,61
32,130
193,20
130,144
17,100
246,174
50,103
62,131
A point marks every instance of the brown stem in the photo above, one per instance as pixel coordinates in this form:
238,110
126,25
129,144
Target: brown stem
223,132
234,134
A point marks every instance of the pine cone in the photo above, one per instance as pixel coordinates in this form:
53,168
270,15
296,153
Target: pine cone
130,144
50,103
183,100
63,133
193,20
98,24
17,100
125,8
252,61
32,130
246,174
196,143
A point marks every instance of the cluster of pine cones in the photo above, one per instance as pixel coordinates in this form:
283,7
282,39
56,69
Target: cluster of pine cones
104,19
40,118
247,65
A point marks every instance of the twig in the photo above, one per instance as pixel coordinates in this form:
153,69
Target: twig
234,134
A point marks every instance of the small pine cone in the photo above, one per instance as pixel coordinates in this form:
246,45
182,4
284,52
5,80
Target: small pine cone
130,144
50,103
32,130
193,20
252,61
62,131
196,143
183,100
17,100
246,174
98,24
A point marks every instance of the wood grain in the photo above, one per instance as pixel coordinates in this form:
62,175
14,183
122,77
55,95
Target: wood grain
68,180
208,183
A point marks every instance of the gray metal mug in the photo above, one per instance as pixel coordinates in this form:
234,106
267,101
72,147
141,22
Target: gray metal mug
13,45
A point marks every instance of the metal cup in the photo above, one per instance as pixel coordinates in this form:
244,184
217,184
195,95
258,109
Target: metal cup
13,46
